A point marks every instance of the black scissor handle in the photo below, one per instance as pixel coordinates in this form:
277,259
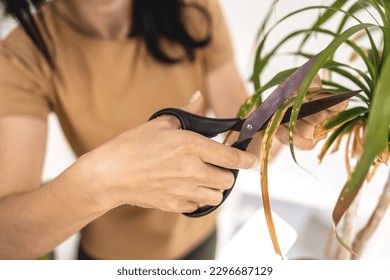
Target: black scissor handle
208,127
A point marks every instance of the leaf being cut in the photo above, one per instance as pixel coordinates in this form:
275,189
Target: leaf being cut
269,135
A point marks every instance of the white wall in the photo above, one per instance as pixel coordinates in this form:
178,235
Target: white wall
288,183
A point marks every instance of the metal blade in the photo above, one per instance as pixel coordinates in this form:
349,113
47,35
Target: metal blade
257,119
315,106
307,108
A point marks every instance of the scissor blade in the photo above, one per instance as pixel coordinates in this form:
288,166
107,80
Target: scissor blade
307,108
257,119
315,106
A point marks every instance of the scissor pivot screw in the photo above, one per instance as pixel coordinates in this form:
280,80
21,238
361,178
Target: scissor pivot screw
249,126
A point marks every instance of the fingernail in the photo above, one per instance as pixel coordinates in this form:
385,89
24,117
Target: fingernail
195,97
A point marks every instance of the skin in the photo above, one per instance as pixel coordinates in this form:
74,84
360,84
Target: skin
177,173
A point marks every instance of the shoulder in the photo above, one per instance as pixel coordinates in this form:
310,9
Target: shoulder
18,48
18,44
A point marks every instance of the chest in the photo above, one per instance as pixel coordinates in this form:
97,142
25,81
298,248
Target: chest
104,91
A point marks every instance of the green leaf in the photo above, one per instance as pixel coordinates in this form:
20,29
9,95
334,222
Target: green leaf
386,5
381,13
262,62
358,6
345,116
328,14
259,61
377,132
332,64
335,85
266,19
321,60
373,54
335,134
339,70
256,98
251,102
278,78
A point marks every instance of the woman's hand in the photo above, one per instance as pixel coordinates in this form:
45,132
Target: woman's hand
304,129
157,165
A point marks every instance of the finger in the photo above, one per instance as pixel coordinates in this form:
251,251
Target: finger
168,121
207,196
320,117
316,84
304,129
217,178
186,207
196,104
317,118
338,107
224,156
299,142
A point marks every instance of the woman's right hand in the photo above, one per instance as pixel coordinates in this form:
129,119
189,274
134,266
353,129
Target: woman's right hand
157,165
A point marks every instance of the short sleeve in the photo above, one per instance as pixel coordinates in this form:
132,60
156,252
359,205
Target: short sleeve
220,49
23,86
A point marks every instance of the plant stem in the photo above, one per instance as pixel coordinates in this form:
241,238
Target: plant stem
333,250
348,230
329,246
364,235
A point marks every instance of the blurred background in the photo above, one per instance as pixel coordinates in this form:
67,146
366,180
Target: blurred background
302,196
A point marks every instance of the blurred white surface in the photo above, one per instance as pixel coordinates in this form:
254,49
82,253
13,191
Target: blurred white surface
253,242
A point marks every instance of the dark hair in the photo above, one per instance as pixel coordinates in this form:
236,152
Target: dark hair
152,21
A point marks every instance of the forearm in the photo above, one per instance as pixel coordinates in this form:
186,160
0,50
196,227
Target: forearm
35,222
174,171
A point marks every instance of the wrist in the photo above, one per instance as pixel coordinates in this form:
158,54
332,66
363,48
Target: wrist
92,185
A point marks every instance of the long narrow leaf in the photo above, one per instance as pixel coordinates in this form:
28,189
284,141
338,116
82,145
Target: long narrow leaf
269,135
377,131
386,6
328,14
348,76
358,6
381,13
336,134
321,60
259,63
344,117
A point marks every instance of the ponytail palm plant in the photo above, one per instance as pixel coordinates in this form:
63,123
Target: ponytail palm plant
356,56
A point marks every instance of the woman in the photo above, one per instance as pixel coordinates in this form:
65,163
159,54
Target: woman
104,66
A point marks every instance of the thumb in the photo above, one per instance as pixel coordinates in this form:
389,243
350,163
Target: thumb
195,106
315,85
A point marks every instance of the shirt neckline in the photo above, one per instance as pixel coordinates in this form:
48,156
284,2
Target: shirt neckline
84,37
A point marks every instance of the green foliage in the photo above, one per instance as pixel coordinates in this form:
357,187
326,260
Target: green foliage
369,43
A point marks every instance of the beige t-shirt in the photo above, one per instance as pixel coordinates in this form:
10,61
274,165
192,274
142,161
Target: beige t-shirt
98,90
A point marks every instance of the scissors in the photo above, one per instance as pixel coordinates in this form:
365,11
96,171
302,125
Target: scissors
256,121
